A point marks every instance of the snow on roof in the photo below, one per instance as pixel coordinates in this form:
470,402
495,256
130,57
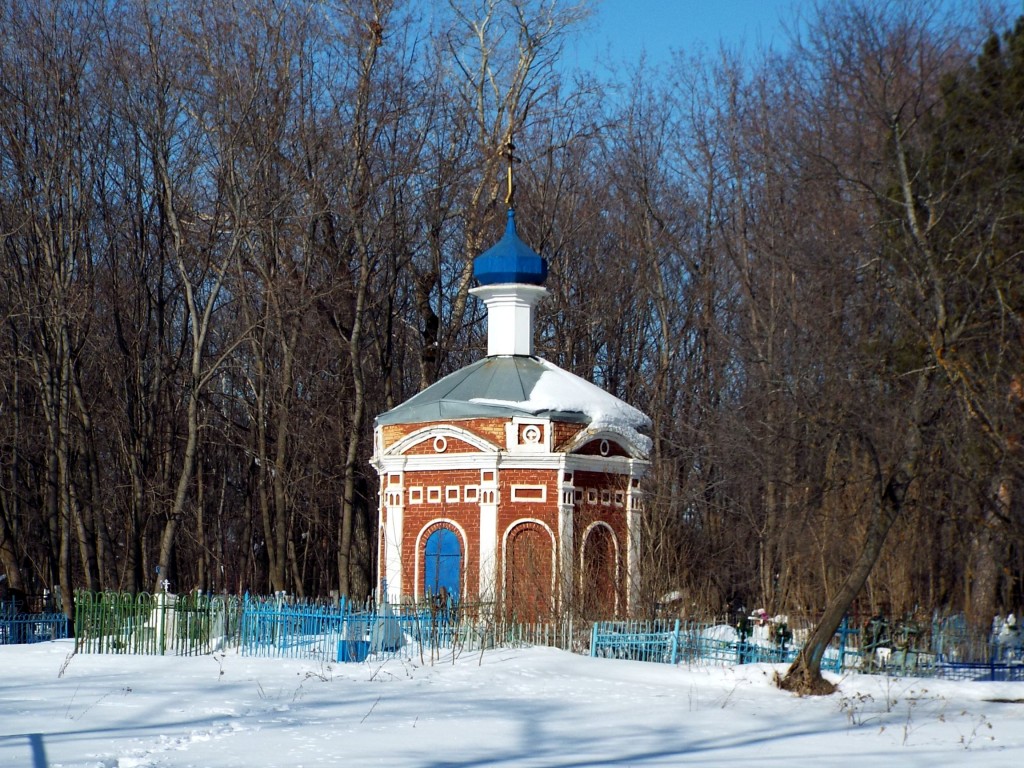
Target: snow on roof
558,390
506,386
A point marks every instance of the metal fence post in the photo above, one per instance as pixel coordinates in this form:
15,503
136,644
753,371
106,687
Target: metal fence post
675,644
158,609
844,629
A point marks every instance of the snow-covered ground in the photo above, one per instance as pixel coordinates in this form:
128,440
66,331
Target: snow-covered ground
522,707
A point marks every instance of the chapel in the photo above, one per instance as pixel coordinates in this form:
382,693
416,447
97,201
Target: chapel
512,482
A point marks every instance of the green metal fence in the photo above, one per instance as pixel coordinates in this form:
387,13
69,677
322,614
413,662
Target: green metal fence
184,625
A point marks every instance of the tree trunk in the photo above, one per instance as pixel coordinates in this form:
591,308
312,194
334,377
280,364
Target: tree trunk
984,570
804,674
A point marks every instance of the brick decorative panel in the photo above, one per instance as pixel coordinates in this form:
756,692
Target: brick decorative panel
603,497
601,582
529,493
584,479
531,434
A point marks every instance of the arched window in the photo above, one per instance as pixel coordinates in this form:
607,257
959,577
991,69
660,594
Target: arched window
529,571
600,583
442,559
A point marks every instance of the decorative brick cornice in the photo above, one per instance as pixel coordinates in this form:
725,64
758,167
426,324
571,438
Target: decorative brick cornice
614,436
438,430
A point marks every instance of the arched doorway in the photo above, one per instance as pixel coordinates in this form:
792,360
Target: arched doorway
442,563
599,588
529,573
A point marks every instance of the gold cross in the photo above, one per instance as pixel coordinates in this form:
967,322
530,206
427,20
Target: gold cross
509,155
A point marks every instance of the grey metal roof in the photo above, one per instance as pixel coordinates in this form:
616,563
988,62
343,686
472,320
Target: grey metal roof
510,379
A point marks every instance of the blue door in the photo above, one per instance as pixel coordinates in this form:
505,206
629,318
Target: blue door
443,557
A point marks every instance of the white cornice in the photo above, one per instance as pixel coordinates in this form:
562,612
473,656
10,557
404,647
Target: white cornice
619,465
441,461
549,461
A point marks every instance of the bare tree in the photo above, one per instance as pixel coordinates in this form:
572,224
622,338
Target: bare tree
51,167
500,59
884,72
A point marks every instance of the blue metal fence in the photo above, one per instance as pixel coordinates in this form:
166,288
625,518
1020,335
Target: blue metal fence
276,628
637,640
948,656
18,627
994,671
280,626
352,632
682,642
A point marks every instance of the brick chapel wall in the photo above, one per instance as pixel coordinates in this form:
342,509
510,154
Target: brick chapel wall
425,513
452,445
510,511
429,509
600,497
431,495
601,447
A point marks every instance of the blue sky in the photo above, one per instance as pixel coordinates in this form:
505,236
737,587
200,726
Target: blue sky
625,28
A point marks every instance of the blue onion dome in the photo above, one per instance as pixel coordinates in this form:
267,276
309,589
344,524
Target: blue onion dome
510,260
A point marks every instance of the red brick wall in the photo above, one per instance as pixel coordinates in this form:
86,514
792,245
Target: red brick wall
599,502
510,511
530,587
591,507
465,513
564,432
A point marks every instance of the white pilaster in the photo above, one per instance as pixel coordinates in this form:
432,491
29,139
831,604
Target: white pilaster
567,544
488,534
393,529
633,512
